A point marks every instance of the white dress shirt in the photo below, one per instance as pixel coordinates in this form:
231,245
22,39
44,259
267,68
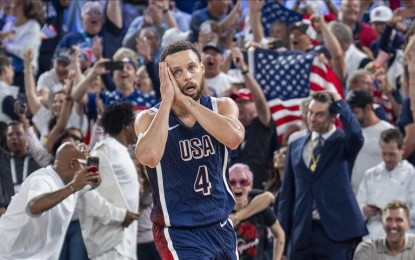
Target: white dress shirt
380,186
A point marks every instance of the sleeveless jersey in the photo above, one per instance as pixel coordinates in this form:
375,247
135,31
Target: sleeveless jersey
189,183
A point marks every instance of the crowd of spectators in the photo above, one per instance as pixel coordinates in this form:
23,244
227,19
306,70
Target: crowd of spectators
64,63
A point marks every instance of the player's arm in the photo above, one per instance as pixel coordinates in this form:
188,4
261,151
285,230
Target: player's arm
224,125
152,128
279,240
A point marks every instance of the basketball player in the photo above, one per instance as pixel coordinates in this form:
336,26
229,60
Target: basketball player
183,141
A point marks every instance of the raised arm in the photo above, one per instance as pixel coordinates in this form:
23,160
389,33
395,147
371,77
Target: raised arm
114,13
333,45
230,18
33,101
255,7
264,113
79,91
64,114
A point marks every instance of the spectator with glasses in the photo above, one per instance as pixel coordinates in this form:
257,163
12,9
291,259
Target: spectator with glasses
252,232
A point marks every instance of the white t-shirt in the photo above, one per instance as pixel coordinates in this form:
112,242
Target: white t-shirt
41,119
370,154
49,82
25,236
219,85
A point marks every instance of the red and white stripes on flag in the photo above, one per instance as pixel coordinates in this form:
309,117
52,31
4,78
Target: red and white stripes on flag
288,78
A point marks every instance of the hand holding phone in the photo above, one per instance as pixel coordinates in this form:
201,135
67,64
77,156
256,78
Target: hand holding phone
93,161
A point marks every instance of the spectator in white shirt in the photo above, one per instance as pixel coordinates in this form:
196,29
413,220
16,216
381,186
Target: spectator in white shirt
392,179
36,220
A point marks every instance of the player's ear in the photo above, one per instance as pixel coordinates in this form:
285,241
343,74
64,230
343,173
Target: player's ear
202,67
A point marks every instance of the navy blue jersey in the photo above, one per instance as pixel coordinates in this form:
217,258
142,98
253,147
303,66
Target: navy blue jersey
189,184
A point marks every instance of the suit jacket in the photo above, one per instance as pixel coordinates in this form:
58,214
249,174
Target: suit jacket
329,186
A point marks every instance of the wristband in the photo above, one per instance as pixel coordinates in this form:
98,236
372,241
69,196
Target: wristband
244,72
68,98
165,11
72,189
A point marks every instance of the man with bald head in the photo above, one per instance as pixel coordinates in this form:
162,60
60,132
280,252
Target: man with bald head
36,220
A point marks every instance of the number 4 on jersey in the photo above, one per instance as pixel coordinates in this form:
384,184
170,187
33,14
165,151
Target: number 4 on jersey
202,182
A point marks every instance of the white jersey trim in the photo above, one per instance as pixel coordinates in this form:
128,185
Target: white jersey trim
214,104
225,166
162,195
170,243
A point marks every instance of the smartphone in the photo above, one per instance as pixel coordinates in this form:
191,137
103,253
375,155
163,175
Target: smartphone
22,103
114,65
276,44
93,161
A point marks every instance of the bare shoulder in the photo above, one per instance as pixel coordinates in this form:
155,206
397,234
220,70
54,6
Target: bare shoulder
226,106
143,120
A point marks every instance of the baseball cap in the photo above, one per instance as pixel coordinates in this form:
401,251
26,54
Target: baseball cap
62,54
381,14
244,94
213,46
306,27
173,35
359,98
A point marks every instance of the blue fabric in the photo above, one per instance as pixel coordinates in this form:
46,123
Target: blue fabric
73,246
217,241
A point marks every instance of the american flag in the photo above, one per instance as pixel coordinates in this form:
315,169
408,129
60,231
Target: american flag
48,31
273,11
287,78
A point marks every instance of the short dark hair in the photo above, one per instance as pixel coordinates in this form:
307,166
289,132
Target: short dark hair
390,135
116,116
324,97
178,47
63,136
397,204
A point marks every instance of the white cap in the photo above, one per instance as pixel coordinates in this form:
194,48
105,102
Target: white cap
173,35
381,14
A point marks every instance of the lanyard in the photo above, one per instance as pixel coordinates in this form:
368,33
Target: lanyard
25,168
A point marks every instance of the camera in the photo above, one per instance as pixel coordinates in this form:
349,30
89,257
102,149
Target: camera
22,101
114,65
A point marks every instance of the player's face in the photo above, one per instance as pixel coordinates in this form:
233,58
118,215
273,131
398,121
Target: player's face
241,185
188,72
391,154
318,117
395,224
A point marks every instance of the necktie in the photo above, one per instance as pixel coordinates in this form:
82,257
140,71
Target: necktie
316,153
319,146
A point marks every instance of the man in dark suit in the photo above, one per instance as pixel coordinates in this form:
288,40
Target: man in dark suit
317,208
